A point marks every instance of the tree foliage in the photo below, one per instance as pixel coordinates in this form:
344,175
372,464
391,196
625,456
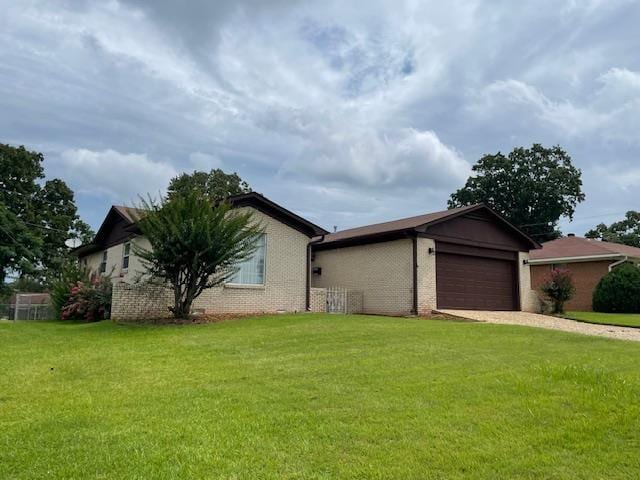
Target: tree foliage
625,231
216,184
35,219
531,187
558,288
195,244
619,290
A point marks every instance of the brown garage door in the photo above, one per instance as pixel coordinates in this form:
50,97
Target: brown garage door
475,283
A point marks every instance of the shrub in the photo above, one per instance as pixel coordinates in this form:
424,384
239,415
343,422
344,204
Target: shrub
618,291
60,288
88,301
558,288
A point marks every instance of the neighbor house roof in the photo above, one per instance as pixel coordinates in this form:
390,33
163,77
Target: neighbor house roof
581,249
118,213
392,229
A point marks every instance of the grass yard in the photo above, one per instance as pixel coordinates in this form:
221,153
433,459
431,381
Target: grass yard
622,319
316,396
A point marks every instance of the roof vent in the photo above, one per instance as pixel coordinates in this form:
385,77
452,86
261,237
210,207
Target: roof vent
571,234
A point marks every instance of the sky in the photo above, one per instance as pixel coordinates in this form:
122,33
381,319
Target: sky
347,113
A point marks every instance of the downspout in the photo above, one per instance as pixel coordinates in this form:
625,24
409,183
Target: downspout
308,284
619,262
414,308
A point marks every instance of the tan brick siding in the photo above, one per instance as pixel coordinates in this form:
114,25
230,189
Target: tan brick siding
586,276
426,276
318,300
285,271
528,298
381,271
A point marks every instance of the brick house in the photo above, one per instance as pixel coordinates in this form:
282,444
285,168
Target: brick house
274,279
588,260
463,258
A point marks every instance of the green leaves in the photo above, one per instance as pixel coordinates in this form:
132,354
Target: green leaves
195,243
626,231
35,219
531,187
216,184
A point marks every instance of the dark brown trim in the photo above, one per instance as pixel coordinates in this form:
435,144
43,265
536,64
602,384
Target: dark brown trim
365,240
484,206
414,308
476,251
266,206
308,274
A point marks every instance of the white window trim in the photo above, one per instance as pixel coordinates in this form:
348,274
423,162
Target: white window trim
122,267
255,286
103,261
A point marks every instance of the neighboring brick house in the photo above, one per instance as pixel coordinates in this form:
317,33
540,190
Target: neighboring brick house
463,258
588,260
273,279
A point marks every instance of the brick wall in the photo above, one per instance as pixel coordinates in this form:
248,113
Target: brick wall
131,302
318,300
381,271
586,276
284,288
426,276
529,301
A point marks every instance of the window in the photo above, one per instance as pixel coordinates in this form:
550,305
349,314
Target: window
103,264
251,271
125,255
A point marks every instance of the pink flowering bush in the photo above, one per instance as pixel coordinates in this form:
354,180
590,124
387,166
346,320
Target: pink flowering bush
88,301
558,288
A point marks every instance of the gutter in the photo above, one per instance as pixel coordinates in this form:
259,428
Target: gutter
619,262
584,258
308,283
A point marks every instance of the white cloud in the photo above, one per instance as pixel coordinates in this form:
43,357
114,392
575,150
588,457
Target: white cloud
204,161
119,176
390,159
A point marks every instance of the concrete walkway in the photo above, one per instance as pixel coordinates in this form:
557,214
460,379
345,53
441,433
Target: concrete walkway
545,321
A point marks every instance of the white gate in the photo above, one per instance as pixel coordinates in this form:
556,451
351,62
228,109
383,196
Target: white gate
336,300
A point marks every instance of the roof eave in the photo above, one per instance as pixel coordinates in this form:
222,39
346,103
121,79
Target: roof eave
579,258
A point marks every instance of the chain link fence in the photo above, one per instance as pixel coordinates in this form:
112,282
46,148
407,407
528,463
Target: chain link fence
27,312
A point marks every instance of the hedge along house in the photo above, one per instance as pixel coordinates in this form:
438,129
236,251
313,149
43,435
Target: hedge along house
588,260
274,279
464,258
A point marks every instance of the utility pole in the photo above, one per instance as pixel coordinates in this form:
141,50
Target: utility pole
15,313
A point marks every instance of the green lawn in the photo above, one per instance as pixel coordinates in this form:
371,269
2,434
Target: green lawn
623,319
316,396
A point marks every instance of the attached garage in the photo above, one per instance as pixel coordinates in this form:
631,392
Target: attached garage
476,279
464,258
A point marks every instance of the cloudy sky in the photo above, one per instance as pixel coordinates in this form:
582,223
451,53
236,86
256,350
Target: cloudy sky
345,112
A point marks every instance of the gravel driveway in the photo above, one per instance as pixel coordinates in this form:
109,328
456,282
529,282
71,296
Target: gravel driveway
545,321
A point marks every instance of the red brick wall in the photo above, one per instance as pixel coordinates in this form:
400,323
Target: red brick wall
586,276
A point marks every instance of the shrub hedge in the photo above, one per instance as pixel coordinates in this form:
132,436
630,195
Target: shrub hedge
618,291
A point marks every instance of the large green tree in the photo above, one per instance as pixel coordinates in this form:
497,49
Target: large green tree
531,187
216,184
625,231
35,218
195,244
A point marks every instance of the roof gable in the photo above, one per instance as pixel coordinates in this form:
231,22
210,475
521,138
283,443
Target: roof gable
453,223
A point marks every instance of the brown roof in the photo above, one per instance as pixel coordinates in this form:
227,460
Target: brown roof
129,213
394,225
566,247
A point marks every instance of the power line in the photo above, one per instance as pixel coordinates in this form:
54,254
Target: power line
577,218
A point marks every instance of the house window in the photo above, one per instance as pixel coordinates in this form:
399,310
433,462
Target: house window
251,271
125,255
103,263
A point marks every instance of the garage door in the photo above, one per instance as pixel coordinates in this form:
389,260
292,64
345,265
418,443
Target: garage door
475,283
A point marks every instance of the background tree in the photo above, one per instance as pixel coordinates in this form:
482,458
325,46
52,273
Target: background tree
531,187
216,184
35,219
195,244
625,231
